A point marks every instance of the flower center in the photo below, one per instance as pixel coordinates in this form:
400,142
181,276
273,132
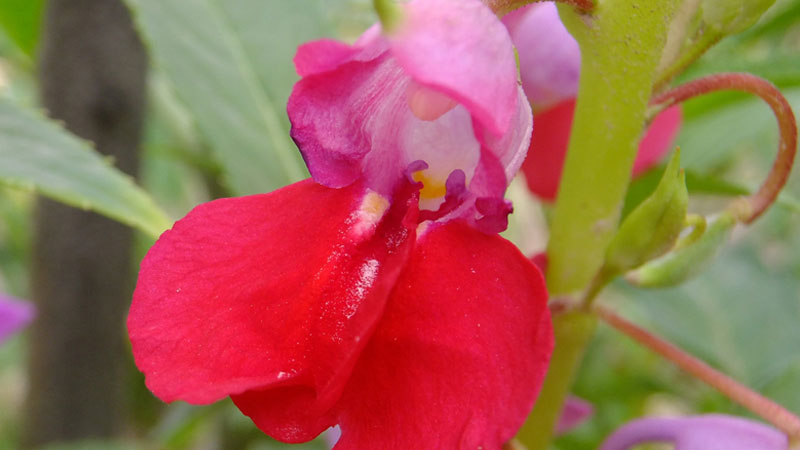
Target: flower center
432,186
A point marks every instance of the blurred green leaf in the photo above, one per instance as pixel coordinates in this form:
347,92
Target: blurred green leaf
769,49
231,64
37,154
21,20
719,128
696,183
742,316
95,444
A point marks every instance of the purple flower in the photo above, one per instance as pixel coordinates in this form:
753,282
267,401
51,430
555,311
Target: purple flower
14,315
576,411
709,432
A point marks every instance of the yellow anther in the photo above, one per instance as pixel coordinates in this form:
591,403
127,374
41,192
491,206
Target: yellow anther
431,187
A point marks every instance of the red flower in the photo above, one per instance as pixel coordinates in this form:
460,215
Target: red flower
406,322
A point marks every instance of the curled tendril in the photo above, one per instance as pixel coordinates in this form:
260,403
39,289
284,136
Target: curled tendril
750,208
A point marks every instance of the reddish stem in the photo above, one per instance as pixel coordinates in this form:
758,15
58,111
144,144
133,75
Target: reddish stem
741,394
787,127
503,7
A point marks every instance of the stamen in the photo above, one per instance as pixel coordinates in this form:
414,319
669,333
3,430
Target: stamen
456,193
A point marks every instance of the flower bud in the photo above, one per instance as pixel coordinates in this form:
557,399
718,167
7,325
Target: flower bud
733,16
653,227
685,262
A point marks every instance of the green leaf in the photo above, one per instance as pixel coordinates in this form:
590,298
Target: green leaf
742,316
762,50
230,62
37,154
733,16
21,20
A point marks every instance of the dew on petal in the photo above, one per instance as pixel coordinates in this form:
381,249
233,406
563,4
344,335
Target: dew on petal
366,277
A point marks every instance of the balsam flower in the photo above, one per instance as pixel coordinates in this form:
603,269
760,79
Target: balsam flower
549,59
709,432
375,296
14,315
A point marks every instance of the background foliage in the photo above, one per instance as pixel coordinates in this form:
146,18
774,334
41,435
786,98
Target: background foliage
217,126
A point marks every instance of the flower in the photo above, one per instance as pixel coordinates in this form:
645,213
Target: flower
708,432
14,315
549,60
576,411
376,296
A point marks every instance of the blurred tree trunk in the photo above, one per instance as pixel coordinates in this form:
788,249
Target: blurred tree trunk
92,77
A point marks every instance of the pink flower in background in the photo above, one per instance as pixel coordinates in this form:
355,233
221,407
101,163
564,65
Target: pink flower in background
709,432
549,65
14,315
377,296
576,411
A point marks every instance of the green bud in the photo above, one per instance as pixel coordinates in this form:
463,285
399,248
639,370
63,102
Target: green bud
686,262
653,227
733,16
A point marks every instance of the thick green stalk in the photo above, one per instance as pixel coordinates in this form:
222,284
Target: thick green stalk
573,330
621,45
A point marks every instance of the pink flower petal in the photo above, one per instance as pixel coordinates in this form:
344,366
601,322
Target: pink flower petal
549,57
433,90
14,315
658,139
576,411
461,351
709,432
458,47
269,296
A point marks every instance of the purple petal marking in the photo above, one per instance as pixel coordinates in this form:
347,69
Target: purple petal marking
456,194
708,432
14,315
576,411
331,436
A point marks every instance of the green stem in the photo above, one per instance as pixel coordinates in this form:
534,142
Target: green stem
620,49
503,7
573,330
621,46
687,57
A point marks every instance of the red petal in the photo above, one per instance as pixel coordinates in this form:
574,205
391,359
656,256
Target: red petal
272,294
545,160
658,139
461,351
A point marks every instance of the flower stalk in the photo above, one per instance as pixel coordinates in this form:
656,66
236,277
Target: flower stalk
739,393
749,209
619,57
573,329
